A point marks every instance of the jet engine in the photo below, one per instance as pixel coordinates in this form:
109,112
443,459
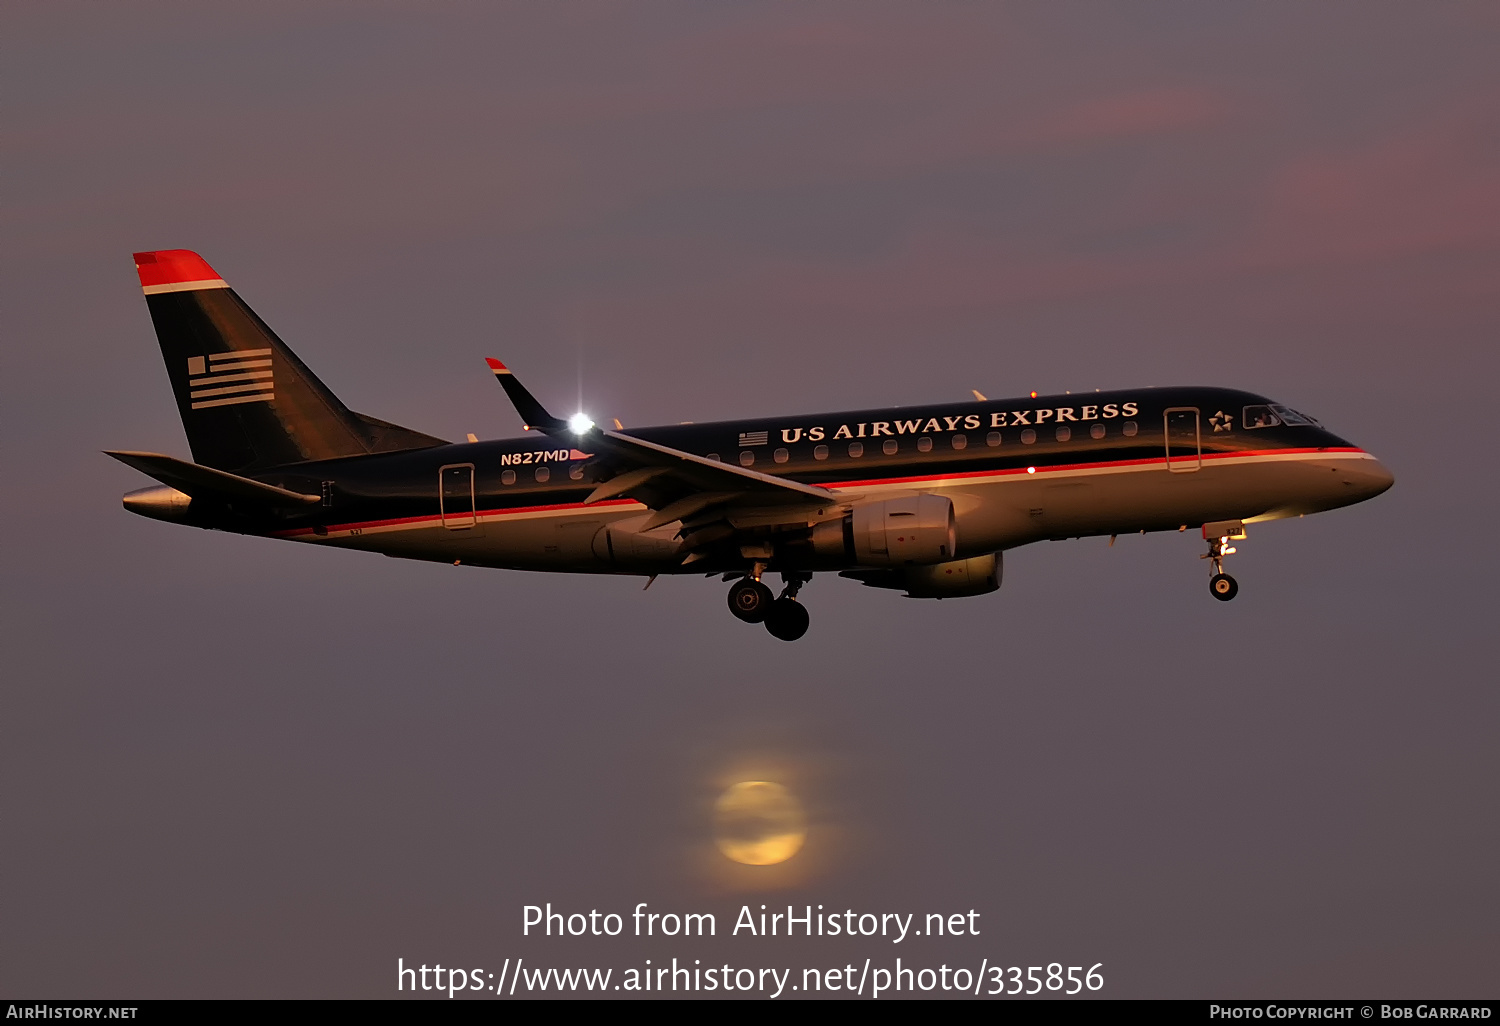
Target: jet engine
912,531
957,578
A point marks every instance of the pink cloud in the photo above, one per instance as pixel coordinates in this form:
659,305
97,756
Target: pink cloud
1431,187
1143,112
1353,214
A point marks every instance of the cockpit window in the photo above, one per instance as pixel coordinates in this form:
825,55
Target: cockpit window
1272,414
1259,417
1291,416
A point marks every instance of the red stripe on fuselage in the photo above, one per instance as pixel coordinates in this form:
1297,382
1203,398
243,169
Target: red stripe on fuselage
1153,461
436,518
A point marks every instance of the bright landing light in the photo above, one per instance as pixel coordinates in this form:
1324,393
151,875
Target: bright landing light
579,423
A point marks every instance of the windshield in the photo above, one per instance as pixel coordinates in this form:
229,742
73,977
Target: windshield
1291,416
1259,417
1272,414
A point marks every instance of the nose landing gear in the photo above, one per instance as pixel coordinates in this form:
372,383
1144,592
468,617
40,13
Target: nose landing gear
1221,586
785,618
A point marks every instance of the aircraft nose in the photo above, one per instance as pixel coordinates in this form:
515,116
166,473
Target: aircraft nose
1372,477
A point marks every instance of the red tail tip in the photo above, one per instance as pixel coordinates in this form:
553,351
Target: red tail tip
495,365
172,267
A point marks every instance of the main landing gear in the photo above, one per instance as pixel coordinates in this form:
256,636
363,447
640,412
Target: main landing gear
784,617
1221,586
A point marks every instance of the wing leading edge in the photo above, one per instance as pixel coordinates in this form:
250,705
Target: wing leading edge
713,500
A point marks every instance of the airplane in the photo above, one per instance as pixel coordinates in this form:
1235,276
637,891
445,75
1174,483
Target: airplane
923,500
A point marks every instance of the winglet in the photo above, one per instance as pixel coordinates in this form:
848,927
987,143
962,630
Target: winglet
533,414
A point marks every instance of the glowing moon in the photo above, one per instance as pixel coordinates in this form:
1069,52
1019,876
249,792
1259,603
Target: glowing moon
759,823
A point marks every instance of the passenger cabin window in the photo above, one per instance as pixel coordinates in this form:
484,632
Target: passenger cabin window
1064,432
576,472
747,458
714,456
993,438
1096,431
959,441
820,452
1027,436
543,473
782,455
1128,429
856,448
888,447
507,477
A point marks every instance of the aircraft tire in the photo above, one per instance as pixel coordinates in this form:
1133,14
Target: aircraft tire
750,600
787,619
1223,587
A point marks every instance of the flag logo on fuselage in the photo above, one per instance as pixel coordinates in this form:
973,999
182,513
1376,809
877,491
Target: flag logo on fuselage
225,379
754,437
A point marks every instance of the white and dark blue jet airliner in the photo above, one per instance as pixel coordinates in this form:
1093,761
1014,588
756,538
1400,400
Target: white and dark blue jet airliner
922,500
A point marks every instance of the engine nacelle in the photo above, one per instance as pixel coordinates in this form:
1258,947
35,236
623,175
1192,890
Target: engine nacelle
978,575
913,531
625,545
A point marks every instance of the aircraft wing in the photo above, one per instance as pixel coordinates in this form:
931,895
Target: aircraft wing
701,474
714,501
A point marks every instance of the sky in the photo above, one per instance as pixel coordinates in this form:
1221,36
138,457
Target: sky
235,767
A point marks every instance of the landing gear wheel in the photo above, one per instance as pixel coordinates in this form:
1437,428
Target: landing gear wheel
1223,587
749,600
787,619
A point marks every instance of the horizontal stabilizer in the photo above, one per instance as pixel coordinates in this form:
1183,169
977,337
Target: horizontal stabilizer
206,483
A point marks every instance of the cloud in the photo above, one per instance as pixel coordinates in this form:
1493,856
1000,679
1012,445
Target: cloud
1429,187
1134,113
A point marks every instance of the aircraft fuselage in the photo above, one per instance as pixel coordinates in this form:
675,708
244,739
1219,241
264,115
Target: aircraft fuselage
1015,470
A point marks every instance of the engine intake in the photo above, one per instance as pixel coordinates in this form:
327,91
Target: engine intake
912,531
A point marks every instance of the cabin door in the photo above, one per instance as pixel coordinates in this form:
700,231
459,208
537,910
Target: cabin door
1184,451
456,496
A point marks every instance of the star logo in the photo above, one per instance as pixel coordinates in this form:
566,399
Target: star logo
1221,421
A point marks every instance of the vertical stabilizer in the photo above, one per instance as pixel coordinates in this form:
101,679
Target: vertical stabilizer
246,401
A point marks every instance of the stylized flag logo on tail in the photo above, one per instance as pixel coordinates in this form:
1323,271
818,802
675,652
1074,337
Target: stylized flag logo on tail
225,379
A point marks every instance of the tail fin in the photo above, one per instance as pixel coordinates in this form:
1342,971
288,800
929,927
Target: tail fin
247,402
